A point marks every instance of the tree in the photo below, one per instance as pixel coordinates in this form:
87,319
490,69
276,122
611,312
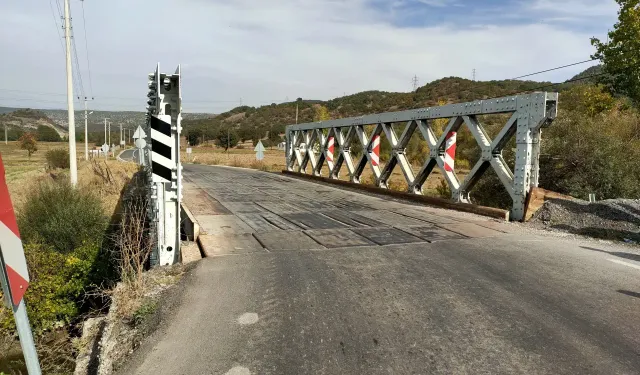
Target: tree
28,142
194,136
48,134
322,114
227,138
274,136
621,53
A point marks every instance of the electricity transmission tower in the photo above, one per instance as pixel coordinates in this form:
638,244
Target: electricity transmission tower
415,82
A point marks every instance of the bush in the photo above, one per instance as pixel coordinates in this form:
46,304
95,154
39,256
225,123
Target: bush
57,158
47,134
56,287
62,217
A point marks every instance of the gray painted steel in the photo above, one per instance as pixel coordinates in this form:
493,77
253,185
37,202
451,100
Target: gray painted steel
530,112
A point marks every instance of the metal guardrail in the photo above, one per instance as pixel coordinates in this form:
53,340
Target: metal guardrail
530,113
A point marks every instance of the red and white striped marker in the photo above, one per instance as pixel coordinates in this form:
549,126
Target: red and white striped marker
450,152
330,148
12,253
375,151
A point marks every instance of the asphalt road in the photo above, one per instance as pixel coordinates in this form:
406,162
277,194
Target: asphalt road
129,155
374,286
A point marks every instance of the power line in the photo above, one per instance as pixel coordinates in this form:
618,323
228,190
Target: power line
86,44
56,24
75,57
567,81
552,69
75,81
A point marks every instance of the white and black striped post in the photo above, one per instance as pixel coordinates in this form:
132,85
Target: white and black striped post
165,116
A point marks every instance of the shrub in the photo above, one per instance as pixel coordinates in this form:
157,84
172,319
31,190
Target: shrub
599,154
443,189
57,158
57,283
259,165
47,134
60,216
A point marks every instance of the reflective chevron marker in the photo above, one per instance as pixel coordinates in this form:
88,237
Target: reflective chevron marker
330,148
450,152
161,148
11,252
375,151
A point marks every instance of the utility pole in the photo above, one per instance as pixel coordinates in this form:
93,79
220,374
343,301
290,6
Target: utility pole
296,112
105,130
72,121
86,132
109,132
6,137
415,83
228,140
120,134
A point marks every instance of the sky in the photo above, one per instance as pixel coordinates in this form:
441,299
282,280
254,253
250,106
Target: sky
257,52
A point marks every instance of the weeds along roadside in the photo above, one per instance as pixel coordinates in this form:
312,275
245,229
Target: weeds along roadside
79,242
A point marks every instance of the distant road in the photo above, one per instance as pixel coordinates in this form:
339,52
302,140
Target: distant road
129,155
303,278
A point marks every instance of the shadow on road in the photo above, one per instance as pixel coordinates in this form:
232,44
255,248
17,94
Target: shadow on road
628,256
603,233
629,293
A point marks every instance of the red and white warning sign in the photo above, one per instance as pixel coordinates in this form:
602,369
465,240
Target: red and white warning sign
12,260
330,148
450,152
375,151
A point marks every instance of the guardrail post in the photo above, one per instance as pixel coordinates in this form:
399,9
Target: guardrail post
164,123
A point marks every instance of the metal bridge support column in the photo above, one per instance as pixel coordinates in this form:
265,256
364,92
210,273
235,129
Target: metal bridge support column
534,111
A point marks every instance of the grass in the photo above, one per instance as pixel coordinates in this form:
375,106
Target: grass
274,161
23,173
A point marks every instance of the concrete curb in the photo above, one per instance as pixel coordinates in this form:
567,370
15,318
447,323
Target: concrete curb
190,251
189,223
437,202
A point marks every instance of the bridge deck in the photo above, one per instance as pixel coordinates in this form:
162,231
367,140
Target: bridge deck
309,279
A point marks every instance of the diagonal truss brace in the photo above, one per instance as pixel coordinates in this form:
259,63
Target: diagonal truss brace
530,113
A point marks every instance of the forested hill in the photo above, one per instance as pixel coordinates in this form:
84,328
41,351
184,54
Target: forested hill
253,123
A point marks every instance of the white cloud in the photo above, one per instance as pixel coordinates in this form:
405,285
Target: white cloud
575,8
265,51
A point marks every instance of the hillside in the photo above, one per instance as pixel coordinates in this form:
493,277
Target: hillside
96,120
253,123
127,119
21,120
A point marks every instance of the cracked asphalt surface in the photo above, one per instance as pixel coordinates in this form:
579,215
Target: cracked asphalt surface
303,278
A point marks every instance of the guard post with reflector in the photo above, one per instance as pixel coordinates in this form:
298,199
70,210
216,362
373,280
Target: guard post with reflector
14,275
164,119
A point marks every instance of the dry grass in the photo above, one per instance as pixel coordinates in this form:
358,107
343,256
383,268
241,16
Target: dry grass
274,161
23,173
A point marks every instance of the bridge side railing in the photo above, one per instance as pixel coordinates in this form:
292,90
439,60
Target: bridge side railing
529,114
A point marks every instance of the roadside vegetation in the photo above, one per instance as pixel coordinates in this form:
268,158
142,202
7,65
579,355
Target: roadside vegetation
70,237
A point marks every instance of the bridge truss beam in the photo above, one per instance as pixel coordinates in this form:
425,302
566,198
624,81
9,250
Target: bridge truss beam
529,114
